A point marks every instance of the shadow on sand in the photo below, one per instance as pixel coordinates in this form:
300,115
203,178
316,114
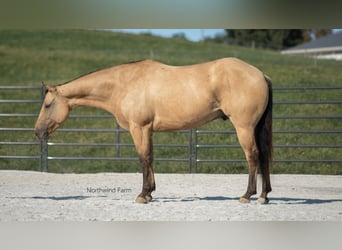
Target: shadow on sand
58,198
188,199
273,200
285,200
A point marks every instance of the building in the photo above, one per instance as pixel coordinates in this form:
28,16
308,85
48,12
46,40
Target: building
326,47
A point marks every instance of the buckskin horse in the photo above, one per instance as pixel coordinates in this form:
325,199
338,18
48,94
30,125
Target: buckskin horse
147,96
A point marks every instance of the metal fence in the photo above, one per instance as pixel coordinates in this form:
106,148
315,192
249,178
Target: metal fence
192,146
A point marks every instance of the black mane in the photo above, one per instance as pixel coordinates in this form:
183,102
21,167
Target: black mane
96,70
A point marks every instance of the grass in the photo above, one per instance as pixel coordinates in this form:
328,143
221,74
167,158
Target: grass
56,56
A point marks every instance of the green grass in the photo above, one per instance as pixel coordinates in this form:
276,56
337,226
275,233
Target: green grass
30,57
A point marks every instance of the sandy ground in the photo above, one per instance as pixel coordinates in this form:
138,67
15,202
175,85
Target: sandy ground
36,196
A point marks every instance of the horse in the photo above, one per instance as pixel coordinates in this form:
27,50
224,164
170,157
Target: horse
147,96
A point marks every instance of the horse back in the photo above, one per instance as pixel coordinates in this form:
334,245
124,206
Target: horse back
186,96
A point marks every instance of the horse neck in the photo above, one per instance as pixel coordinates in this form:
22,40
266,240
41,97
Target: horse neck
92,91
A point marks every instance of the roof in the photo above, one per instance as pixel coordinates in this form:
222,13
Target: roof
326,44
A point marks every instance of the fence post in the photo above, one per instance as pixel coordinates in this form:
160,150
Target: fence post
41,156
190,152
117,140
44,155
195,149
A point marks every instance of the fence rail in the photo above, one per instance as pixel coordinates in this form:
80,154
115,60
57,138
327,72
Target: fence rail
192,146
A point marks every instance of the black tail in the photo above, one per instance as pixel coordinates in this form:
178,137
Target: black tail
263,135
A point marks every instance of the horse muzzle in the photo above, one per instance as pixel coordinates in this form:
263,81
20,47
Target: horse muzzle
41,133
43,130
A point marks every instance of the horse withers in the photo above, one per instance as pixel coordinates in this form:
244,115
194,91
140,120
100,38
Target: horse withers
148,96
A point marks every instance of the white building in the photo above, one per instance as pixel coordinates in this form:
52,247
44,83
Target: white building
326,47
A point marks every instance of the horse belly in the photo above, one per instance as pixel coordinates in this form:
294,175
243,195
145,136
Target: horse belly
183,120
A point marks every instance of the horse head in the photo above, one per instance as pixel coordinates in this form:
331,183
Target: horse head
53,113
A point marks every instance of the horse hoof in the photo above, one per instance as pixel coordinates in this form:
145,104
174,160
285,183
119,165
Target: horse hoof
141,200
244,200
263,200
148,198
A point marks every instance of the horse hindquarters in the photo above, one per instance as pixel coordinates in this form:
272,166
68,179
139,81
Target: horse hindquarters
256,142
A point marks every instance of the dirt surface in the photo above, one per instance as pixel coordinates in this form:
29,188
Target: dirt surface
36,196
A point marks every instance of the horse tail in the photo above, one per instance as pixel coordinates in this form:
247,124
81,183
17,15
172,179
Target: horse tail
263,134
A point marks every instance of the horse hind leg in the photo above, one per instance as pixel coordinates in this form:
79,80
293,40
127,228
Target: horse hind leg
249,146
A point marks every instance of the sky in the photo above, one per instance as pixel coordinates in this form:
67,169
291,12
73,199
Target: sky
194,35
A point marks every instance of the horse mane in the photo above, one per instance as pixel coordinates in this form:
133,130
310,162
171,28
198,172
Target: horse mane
96,70
80,76
136,61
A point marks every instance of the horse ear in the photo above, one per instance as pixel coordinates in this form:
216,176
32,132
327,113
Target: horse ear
48,87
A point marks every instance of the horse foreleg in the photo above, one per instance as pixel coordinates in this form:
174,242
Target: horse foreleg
247,141
142,137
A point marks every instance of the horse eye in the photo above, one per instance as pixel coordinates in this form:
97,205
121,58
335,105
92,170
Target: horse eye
47,105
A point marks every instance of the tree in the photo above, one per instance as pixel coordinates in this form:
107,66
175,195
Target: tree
295,37
268,38
179,35
321,32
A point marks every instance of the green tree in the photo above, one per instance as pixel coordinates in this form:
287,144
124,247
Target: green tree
268,38
321,32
